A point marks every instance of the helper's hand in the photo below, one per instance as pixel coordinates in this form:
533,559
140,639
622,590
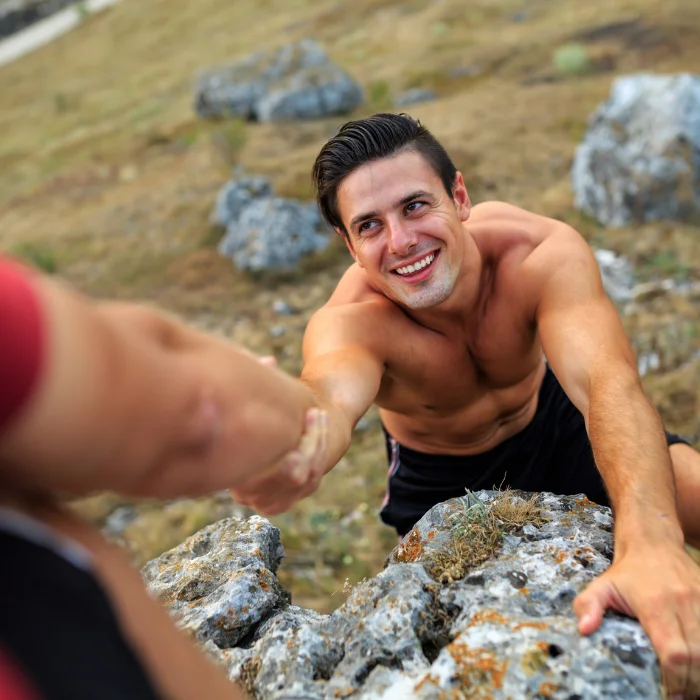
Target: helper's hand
660,586
297,475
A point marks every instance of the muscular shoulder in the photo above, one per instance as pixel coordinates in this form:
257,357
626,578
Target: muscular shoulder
499,221
354,316
531,249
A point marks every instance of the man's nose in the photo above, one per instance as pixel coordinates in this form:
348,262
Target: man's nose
401,238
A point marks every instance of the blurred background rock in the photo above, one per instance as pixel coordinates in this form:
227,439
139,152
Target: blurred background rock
115,145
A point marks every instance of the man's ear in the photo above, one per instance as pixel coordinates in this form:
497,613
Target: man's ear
461,197
346,238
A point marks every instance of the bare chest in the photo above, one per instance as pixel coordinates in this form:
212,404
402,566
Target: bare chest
435,374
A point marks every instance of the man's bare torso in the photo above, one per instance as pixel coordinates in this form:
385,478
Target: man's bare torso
465,390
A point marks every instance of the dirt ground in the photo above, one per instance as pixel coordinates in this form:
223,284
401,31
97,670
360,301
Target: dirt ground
109,177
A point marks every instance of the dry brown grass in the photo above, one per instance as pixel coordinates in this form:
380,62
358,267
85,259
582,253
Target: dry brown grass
477,532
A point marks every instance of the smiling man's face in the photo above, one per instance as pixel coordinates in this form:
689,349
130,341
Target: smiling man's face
404,229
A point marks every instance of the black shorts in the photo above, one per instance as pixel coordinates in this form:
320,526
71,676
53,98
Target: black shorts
552,453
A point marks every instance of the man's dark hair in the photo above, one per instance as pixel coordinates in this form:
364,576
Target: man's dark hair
364,140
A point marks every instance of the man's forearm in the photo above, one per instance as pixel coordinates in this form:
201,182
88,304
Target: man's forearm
630,449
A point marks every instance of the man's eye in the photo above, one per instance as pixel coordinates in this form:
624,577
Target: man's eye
367,226
414,206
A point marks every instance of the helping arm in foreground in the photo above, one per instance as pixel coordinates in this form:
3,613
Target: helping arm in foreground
652,577
130,400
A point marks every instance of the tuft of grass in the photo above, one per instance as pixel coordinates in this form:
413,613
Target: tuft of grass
35,255
249,672
571,59
478,529
229,140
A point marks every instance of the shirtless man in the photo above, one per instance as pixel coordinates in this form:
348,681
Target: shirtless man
445,321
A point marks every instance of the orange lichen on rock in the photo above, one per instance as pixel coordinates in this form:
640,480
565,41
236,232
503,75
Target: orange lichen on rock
478,667
559,556
547,689
487,615
410,548
431,534
534,625
426,679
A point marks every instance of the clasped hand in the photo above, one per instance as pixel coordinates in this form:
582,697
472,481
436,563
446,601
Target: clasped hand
660,586
297,475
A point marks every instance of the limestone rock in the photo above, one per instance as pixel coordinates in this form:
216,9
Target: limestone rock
264,231
616,272
272,232
296,82
220,582
503,629
640,158
236,195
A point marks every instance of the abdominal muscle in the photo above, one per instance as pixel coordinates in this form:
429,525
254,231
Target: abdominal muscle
476,427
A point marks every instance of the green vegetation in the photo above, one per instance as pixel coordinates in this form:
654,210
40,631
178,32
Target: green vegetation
82,10
36,255
667,263
571,59
379,93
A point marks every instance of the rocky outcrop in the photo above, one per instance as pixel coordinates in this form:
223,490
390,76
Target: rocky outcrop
474,603
16,15
296,82
264,231
640,158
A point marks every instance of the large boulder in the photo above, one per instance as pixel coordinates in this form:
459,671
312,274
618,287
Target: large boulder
475,602
264,231
640,158
273,233
297,81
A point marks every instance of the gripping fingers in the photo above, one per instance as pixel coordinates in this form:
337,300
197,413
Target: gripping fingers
669,641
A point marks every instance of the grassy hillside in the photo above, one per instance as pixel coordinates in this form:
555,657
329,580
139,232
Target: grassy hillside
108,176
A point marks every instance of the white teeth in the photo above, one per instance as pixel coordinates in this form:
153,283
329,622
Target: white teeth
416,266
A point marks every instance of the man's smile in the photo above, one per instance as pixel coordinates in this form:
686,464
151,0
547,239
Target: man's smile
417,270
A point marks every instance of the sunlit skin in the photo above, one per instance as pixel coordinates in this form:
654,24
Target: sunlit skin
396,212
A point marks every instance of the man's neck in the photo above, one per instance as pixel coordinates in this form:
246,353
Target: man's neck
461,311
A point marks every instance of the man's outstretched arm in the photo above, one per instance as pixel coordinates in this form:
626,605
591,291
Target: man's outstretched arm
132,401
343,371
651,577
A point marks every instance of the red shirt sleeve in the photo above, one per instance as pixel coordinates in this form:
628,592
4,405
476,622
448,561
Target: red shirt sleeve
21,339
14,684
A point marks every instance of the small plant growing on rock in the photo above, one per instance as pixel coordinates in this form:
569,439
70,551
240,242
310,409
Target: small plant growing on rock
477,532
